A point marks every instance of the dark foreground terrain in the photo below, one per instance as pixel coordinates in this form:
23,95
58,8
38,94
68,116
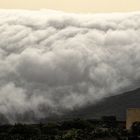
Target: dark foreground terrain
107,128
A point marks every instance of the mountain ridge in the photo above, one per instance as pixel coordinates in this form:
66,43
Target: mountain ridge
116,105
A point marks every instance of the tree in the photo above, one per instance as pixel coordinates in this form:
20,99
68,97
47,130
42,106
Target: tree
135,128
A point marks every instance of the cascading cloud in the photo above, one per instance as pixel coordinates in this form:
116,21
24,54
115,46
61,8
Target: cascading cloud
52,62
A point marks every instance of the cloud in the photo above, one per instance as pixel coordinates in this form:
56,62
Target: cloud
52,62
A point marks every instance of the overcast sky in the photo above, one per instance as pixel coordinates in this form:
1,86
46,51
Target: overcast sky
74,5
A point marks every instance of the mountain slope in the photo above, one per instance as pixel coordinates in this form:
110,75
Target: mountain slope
115,105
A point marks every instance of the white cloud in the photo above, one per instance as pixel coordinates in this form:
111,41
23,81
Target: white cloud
54,61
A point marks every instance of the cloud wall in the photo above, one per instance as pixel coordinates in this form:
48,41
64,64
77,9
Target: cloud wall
52,62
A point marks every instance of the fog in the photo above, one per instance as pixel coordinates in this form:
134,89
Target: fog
52,62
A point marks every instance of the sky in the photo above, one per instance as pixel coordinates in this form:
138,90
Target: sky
74,5
52,62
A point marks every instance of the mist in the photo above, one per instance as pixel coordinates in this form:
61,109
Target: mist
52,62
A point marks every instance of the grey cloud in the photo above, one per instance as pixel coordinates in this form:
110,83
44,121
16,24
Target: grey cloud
52,62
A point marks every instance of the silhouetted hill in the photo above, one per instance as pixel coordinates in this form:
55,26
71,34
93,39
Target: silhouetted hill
115,105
